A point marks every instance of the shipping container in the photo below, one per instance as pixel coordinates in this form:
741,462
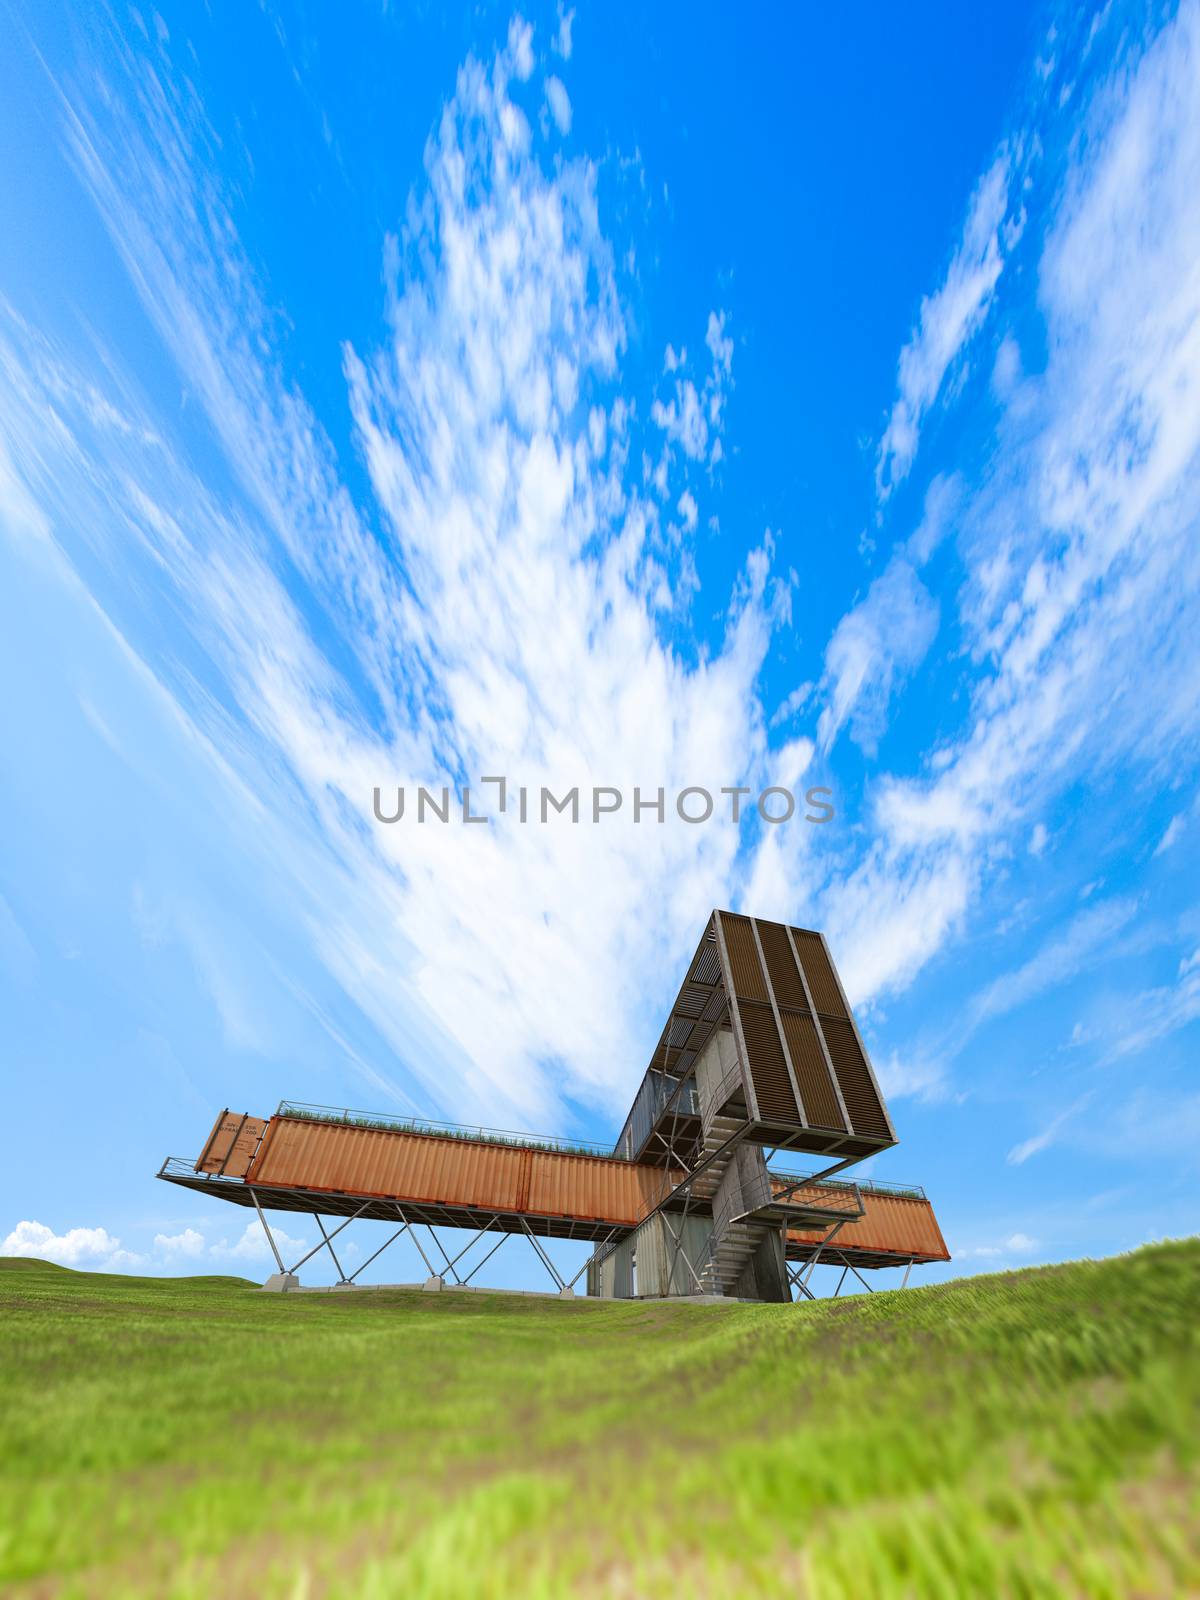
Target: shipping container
230,1147
893,1228
426,1169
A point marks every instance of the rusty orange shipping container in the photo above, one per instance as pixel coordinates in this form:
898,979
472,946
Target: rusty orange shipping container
892,1225
423,1168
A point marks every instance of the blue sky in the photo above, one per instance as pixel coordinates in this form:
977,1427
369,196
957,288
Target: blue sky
387,398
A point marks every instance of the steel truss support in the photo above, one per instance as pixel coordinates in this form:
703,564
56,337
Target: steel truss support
836,1229
378,1252
546,1261
442,1250
342,1278
267,1231
451,1264
860,1277
680,1251
796,1281
327,1237
603,1245
411,1228
486,1258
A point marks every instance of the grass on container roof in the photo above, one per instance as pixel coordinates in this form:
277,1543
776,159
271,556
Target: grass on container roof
1029,1434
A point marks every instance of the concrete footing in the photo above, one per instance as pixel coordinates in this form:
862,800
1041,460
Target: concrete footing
289,1281
278,1281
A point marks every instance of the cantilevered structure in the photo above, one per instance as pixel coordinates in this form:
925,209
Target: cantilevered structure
760,1053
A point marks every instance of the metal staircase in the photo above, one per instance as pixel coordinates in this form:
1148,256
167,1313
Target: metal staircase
716,1133
730,1248
744,1190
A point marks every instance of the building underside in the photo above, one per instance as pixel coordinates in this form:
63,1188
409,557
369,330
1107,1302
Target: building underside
760,1055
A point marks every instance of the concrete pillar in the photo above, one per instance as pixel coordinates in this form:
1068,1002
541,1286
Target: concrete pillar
434,1284
279,1281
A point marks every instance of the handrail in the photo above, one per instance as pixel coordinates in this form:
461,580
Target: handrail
711,1109
903,1191
307,1111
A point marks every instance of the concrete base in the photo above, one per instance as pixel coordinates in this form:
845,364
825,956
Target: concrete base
289,1281
279,1281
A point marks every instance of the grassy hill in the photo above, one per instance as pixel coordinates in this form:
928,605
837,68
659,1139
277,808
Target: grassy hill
1028,1434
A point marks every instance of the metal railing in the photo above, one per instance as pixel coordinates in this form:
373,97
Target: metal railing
902,1191
348,1117
711,1109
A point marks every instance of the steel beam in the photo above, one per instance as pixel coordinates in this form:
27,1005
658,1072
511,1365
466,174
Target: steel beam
442,1249
327,1236
486,1258
417,1242
378,1252
267,1231
546,1261
342,1278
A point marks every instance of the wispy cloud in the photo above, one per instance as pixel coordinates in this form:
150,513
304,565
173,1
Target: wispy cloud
1090,937
1172,832
874,649
1077,533
948,320
1036,1143
493,609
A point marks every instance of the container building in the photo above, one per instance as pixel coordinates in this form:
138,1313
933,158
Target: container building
759,1058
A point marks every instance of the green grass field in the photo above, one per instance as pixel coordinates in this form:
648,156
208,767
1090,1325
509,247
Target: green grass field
1027,1434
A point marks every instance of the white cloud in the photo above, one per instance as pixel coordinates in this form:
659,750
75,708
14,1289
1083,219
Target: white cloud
688,509
949,318
1038,839
1033,1146
1156,1013
1082,566
1090,938
792,703
252,1246
874,649
1017,1244
942,501
77,1247
1173,830
498,600
562,38
911,1074
693,418
560,104
520,49
187,1245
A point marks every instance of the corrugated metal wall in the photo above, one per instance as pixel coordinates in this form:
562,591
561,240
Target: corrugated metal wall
694,1235
804,1059
649,1248
890,1225
231,1144
303,1154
